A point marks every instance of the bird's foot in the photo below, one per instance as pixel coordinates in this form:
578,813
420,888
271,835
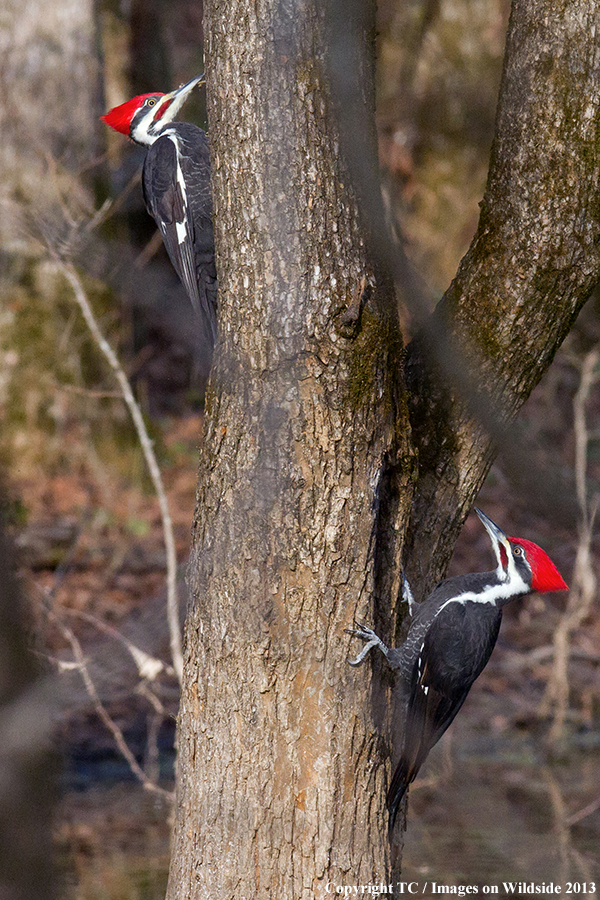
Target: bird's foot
366,634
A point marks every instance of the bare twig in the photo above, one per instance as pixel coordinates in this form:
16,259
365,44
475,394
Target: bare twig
149,456
561,829
100,216
101,710
515,660
90,393
583,588
585,812
149,667
152,761
144,690
569,857
150,250
588,378
112,206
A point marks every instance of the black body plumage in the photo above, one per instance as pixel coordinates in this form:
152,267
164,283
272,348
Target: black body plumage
450,640
447,647
177,188
177,193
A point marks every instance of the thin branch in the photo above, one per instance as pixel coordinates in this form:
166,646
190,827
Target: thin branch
149,667
561,829
112,206
569,856
100,216
149,456
88,392
587,379
101,710
152,761
144,690
150,250
585,812
515,660
583,589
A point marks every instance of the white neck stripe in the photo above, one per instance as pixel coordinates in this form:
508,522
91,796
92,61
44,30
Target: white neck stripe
512,587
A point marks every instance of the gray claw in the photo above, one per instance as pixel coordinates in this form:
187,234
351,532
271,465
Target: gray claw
365,634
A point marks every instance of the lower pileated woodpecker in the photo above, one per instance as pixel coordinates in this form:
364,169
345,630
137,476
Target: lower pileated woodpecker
176,185
451,638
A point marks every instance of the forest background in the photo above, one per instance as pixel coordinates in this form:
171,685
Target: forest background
82,509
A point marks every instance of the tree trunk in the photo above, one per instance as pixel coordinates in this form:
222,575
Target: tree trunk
302,421
531,266
309,477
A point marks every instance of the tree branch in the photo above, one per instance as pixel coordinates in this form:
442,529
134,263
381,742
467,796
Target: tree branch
101,710
150,457
532,265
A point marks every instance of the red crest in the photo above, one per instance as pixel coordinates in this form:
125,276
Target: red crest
545,575
119,117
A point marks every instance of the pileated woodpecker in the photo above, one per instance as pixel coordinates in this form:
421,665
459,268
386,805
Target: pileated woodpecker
176,186
450,639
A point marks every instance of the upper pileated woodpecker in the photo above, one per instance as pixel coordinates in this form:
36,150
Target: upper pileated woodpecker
450,639
176,186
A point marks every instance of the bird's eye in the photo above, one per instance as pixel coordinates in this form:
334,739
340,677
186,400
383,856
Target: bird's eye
151,102
518,551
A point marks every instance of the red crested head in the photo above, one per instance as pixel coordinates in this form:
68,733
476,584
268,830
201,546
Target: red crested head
144,118
544,574
120,117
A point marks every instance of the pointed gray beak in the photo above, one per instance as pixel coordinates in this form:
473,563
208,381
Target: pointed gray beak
190,85
497,537
170,104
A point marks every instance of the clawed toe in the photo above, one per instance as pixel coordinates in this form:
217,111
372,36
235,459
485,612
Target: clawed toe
361,631
365,634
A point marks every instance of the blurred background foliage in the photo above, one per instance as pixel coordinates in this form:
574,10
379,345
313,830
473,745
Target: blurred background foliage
80,503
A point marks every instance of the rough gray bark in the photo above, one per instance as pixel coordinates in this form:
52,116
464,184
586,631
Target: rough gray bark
309,479
301,419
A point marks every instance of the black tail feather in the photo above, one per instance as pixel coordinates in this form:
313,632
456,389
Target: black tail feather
429,714
397,790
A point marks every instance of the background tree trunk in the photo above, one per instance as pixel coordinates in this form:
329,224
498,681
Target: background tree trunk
50,79
309,476
28,785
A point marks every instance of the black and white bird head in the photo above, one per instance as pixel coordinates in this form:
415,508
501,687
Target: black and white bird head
143,118
522,565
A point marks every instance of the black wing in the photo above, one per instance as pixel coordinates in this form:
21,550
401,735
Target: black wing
454,652
173,175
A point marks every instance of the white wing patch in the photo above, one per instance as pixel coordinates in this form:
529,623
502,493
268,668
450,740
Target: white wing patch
182,226
407,596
